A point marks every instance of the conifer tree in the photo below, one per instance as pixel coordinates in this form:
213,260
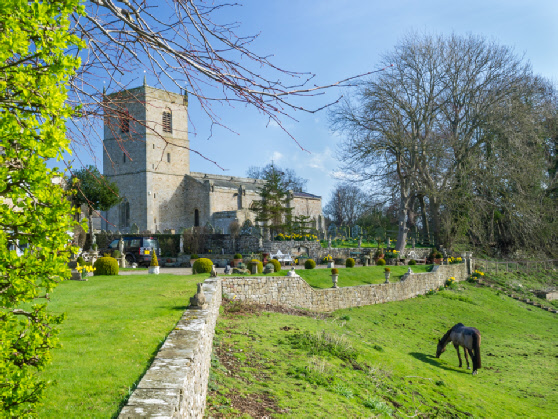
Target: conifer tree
274,210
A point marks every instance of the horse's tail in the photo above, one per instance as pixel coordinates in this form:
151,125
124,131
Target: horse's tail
476,350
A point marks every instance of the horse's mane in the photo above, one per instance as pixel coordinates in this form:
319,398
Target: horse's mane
446,336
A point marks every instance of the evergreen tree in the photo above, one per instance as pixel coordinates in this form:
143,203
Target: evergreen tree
273,210
94,190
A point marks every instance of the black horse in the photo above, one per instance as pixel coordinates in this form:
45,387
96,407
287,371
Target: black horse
469,338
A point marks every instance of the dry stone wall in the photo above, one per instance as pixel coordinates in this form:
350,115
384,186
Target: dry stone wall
296,293
175,386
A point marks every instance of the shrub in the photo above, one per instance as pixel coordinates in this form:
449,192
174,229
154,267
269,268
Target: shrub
276,265
106,266
154,261
237,256
309,264
202,265
194,256
380,262
412,262
80,261
116,254
256,262
350,263
387,270
335,271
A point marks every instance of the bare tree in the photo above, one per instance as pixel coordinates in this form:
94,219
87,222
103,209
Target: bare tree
423,128
345,205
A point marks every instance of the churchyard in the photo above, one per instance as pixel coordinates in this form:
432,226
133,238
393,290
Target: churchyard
372,360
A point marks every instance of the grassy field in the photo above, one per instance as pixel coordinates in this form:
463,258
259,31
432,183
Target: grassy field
114,327
361,275
379,360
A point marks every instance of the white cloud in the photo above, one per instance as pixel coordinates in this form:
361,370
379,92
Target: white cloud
276,156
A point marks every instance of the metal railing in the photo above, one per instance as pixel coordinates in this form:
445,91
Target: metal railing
526,267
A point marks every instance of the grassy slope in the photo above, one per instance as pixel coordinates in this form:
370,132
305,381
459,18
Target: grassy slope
113,329
395,345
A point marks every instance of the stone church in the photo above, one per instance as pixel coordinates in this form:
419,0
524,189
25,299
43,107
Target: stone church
146,153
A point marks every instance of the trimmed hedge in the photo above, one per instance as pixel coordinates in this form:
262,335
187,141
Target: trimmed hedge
412,262
237,256
256,262
309,264
202,265
350,263
106,266
276,265
380,262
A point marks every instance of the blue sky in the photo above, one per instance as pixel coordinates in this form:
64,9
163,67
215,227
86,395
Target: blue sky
339,39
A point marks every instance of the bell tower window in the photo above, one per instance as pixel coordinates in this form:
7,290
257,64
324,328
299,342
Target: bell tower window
124,121
125,214
167,120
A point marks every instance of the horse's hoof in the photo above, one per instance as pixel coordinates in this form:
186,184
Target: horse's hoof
468,368
474,373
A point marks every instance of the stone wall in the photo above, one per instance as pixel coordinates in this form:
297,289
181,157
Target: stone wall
175,386
296,293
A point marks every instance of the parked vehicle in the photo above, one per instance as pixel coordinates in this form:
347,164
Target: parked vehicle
137,249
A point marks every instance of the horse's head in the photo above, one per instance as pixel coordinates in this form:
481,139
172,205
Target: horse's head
440,349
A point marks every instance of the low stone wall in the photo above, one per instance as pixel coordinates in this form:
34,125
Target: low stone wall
175,386
296,293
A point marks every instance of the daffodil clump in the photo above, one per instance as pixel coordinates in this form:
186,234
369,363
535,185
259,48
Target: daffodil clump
296,237
327,259
450,282
392,254
453,260
475,276
84,269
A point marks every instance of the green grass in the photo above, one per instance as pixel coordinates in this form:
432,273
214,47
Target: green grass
113,329
379,360
362,275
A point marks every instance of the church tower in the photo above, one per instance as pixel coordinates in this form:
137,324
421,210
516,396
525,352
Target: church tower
146,153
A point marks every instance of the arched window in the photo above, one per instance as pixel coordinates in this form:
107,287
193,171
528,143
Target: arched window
124,121
125,213
167,120
196,218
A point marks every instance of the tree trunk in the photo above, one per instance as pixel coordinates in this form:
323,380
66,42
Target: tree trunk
404,206
425,221
90,228
435,215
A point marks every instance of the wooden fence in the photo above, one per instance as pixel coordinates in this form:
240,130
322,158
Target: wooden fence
515,266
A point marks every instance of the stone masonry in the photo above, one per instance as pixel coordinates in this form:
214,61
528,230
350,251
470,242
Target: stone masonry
147,154
175,386
294,292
